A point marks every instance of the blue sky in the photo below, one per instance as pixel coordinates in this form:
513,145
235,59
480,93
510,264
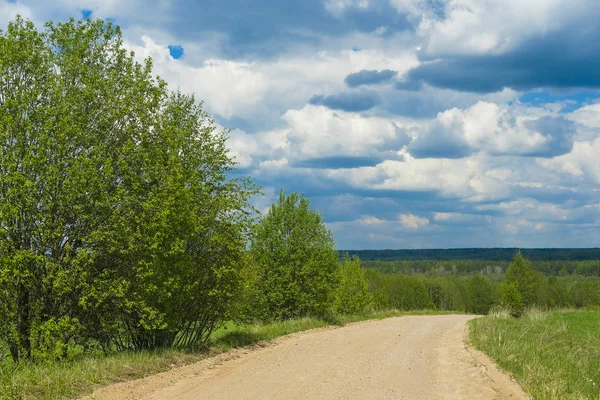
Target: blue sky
408,123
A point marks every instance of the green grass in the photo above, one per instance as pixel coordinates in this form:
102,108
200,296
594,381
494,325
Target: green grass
69,380
553,355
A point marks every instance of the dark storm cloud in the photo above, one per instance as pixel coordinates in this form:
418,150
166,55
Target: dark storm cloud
369,77
338,162
348,101
567,58
440,141
409,86
559,133
266,28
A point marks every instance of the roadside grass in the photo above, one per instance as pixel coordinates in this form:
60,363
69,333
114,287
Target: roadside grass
51,381
553,355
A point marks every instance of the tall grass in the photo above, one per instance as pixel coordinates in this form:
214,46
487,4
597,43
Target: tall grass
553,355
79,377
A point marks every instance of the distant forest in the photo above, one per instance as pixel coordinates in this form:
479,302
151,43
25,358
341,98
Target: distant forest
492,254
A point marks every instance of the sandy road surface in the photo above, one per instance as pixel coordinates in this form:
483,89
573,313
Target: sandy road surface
416,357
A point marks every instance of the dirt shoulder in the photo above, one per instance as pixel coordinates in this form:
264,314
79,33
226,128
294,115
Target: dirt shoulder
413,357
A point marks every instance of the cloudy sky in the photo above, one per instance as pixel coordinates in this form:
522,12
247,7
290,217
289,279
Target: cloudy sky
408,123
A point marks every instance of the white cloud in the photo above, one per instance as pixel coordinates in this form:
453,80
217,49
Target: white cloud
471,179
415,8
337,7
494,129
370,220
588,115
488,26
8,12
243,147
264,88
446,218
581,167
263,202
411,221
317,131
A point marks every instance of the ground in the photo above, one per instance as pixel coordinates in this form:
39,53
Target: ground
415,357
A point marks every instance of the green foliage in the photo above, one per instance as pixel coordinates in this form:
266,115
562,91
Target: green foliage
118,225
586,293
448,293
296,260
483,266
481,295
528,282
451,284
553,355
352,293
512,299
558,295
399,292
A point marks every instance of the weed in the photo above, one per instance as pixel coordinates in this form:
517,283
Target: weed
553,355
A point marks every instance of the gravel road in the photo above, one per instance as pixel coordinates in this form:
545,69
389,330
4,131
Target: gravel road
415,357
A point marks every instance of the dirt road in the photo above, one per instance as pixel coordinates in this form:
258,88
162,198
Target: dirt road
416,357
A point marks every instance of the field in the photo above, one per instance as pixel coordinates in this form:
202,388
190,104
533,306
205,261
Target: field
553,355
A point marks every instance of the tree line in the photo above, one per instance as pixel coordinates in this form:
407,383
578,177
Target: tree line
519,287
491,254
560,268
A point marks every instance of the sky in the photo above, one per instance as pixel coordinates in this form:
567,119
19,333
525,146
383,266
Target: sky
407,123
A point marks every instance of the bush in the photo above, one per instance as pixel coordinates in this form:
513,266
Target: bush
512,300
481,295
118,224
352,293
586,293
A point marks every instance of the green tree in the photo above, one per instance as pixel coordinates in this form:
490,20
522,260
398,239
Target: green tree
528,282
352,293
512,299
297,262
399,292
557,293
586,293
117,220
481,295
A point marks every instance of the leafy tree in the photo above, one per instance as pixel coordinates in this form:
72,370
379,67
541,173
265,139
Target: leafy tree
586,293
399,292
557,293
481,295
512,299
117,220
528,282
449,293
297,261
352,293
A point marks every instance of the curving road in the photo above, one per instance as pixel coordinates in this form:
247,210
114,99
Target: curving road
415,357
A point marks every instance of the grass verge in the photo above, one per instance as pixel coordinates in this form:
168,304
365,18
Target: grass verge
70,380
553,355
